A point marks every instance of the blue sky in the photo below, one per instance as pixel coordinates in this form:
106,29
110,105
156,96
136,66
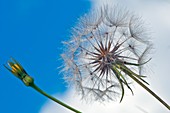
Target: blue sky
31,31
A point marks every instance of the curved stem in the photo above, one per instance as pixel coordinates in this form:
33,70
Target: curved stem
150,91
137,79
54,99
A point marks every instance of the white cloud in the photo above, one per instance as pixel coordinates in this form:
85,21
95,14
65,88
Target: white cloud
157,14
141,102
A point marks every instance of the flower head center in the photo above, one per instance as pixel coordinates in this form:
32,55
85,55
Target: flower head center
15,68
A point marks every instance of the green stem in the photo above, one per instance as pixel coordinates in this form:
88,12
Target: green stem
151,92
120,81
52,98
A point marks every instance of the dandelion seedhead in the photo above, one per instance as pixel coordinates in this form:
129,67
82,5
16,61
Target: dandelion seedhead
108,46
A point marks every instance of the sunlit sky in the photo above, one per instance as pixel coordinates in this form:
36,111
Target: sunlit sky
31,31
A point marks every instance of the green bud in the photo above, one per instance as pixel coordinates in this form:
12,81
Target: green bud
28,80
16,69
